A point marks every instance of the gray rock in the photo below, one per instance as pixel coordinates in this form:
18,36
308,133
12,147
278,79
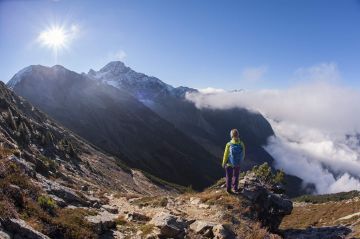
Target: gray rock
25,166
135,216
200,226
220,232
269,207
103,222
67,194
4,235
20,229
170,226
85,188
60,202
110,209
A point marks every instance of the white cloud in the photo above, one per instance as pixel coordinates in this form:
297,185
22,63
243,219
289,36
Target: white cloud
324,72
210,90
313,122
319,105
253,74
118,55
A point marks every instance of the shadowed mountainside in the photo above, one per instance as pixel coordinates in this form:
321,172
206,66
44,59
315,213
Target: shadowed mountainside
118,123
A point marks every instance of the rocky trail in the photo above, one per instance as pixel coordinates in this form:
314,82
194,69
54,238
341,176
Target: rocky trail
210,214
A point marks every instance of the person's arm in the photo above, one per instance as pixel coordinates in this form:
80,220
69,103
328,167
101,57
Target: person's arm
243,146
226,155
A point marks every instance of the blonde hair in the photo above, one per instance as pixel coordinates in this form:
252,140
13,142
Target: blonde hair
234,133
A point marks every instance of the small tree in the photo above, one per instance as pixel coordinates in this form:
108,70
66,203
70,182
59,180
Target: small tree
279,177
265,174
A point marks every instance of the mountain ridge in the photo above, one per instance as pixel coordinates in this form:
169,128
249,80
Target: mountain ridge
203,127
118,123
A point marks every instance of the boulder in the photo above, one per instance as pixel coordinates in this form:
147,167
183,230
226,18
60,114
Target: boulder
103,222
20,229
170,226
220,232
65,193
110,209
60,202
200,226
136,217
269,207
4,235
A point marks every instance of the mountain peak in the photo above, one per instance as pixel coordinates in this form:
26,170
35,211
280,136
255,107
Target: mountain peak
115,67
18,76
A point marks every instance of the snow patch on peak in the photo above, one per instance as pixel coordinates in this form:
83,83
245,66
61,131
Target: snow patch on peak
115,67
117,74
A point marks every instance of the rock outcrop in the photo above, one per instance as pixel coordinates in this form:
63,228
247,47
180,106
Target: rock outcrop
269,207
103,222
18,228
170,226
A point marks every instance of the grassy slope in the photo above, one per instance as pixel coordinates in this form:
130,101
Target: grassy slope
325,210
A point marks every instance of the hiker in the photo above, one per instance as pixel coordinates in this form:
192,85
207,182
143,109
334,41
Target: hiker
233,155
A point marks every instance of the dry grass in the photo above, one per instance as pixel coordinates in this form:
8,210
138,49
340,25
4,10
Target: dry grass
325,214
128,196
151,202
146,229
121,220
5,152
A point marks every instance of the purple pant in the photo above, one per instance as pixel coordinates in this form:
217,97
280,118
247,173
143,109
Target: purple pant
232,177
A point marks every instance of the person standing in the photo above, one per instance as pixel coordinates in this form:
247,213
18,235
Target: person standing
234,153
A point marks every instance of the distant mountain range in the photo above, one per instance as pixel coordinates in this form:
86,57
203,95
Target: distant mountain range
145,122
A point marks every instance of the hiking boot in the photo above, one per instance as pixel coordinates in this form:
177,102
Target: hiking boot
237,191
229,191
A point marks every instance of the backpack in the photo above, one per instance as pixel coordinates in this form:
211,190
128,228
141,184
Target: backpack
236,154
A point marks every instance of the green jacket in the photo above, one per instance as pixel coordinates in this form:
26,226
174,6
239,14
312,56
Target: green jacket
227,151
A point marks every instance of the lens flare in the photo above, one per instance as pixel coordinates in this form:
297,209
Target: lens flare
58,38
55,38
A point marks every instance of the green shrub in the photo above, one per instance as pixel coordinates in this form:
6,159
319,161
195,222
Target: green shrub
265,174
46,203
279,177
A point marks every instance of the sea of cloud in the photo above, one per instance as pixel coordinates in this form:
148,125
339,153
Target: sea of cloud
316,123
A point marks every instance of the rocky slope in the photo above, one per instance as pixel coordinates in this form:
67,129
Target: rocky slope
45,170
118,123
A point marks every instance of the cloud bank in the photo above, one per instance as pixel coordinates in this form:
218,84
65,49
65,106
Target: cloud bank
316,125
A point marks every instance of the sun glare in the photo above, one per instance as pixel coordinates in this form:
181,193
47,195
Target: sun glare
54,38
58,38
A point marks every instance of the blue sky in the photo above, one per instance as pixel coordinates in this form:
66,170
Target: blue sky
201,43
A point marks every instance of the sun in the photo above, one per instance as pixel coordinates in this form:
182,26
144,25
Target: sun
58,38
54,37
